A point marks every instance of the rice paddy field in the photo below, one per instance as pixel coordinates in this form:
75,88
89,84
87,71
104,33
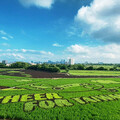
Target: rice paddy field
59,99
94,73
26,98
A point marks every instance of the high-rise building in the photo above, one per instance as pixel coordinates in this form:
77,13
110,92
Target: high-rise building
4,62
71,61
62,61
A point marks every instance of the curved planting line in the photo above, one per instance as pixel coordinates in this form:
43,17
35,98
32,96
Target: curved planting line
11,88
42,86
91,87
60,88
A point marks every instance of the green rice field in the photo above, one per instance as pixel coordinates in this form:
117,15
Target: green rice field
94,73
23,98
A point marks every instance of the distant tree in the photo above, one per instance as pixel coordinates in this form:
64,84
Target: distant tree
2,65
53,69
32,67
101,68
90,68
44,67
80,67
117,65
51,65
19,65
113,69
63,67
66,70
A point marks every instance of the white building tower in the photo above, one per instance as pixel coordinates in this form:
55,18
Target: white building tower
71,61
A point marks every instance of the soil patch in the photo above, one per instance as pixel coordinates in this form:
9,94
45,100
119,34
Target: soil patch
41,74
3,87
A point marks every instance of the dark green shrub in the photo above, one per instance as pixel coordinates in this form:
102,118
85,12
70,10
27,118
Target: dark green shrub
101,68
19,65
90,68
67,70
44,67
80,67
3,65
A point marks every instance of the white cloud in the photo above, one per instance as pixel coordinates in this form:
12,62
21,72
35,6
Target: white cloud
106,53
23,50
35,52
37,3
3,32
4,38
46,53
78,49
11,37
6,35
101,19
16,50
8,50
5,44
57,45
25,55
12,56
17,56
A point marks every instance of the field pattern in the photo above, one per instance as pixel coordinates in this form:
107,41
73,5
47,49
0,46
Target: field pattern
23,98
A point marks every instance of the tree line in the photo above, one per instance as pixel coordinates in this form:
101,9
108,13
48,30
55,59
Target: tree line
58,67
42,67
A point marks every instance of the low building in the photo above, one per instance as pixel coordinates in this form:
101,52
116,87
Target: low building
8,65
33,64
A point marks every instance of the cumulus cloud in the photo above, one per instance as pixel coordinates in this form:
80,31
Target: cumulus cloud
12,56
101,19
4,38
106,53
37,3
17,56
23,50
25,55
3,32
5,44
57,45
5,35
34,52
11,37
46,53
78,49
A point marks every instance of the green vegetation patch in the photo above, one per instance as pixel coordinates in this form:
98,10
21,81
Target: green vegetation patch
47,104
59,99
105,81
94,99
23,80
94,73
13,72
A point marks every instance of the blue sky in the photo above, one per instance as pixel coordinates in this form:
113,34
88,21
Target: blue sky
39,30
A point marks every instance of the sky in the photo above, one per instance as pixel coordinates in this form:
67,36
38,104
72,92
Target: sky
42,30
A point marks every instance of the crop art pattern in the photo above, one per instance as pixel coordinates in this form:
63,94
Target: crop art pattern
47,100
56,99
52,100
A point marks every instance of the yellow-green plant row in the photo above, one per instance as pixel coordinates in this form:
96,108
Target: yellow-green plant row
59,99
94,73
